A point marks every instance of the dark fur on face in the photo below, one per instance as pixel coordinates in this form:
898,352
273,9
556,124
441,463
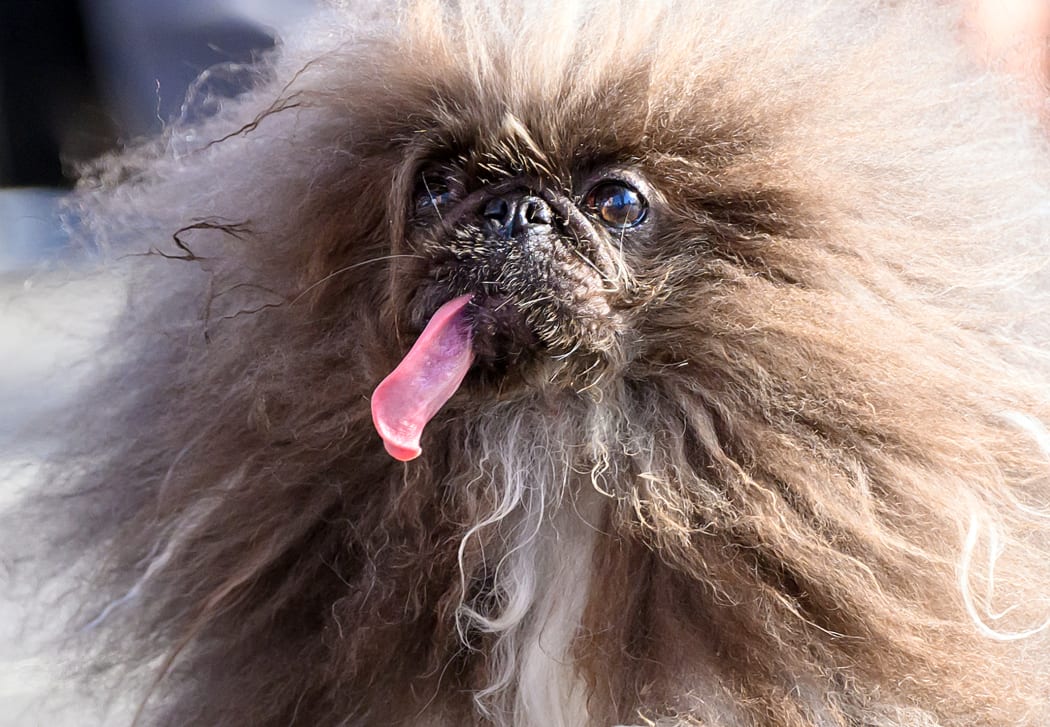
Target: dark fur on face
771,454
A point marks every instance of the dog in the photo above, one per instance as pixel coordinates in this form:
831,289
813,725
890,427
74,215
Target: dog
576,364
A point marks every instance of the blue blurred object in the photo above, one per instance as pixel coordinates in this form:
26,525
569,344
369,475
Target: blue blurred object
30,229
147,53
77,77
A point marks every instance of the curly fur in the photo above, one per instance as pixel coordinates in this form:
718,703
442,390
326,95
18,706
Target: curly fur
799,484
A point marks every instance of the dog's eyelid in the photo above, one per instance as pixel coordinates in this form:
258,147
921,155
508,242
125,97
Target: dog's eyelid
623,173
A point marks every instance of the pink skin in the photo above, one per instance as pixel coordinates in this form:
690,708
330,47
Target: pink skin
1013,34
424,381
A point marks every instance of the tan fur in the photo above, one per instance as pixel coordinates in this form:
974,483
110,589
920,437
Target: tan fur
798,483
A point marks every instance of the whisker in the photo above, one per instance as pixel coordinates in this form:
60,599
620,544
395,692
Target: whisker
563,356
533,301
347,269
587,261
433,201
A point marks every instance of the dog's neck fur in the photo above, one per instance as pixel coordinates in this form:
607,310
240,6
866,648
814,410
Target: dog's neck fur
551,562
567,643
537,572
550,692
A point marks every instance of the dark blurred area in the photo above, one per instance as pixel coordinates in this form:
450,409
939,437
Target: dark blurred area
78,78
81,77
49,96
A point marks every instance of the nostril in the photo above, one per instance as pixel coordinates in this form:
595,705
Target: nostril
534,211
497,209
514,215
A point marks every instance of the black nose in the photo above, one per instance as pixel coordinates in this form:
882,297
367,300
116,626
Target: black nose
516,214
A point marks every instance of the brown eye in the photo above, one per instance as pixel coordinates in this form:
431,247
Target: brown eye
434,192
616,204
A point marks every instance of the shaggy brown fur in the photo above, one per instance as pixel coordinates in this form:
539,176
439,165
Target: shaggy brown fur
788,474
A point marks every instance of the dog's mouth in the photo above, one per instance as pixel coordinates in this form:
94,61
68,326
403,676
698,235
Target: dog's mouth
472,330
463,330
505,332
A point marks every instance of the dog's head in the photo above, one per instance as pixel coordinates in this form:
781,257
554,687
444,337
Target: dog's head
589,208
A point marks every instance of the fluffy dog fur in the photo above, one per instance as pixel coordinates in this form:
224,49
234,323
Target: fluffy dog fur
796,481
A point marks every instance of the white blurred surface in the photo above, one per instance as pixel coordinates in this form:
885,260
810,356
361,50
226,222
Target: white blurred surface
51,319
53,314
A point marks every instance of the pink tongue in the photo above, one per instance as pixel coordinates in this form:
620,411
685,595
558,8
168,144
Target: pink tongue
425,379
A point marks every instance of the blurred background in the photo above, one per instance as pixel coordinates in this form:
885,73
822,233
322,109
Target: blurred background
78,78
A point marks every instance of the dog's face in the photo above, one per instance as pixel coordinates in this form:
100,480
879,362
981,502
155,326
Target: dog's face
569,247
544,263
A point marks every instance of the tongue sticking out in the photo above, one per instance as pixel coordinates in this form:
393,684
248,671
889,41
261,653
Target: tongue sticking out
425,379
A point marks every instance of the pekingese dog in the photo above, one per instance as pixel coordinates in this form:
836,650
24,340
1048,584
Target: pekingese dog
578,364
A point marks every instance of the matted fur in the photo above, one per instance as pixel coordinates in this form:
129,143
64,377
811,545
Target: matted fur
798,485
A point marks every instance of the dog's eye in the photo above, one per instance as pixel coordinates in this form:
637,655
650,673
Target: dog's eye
434,192
616,204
